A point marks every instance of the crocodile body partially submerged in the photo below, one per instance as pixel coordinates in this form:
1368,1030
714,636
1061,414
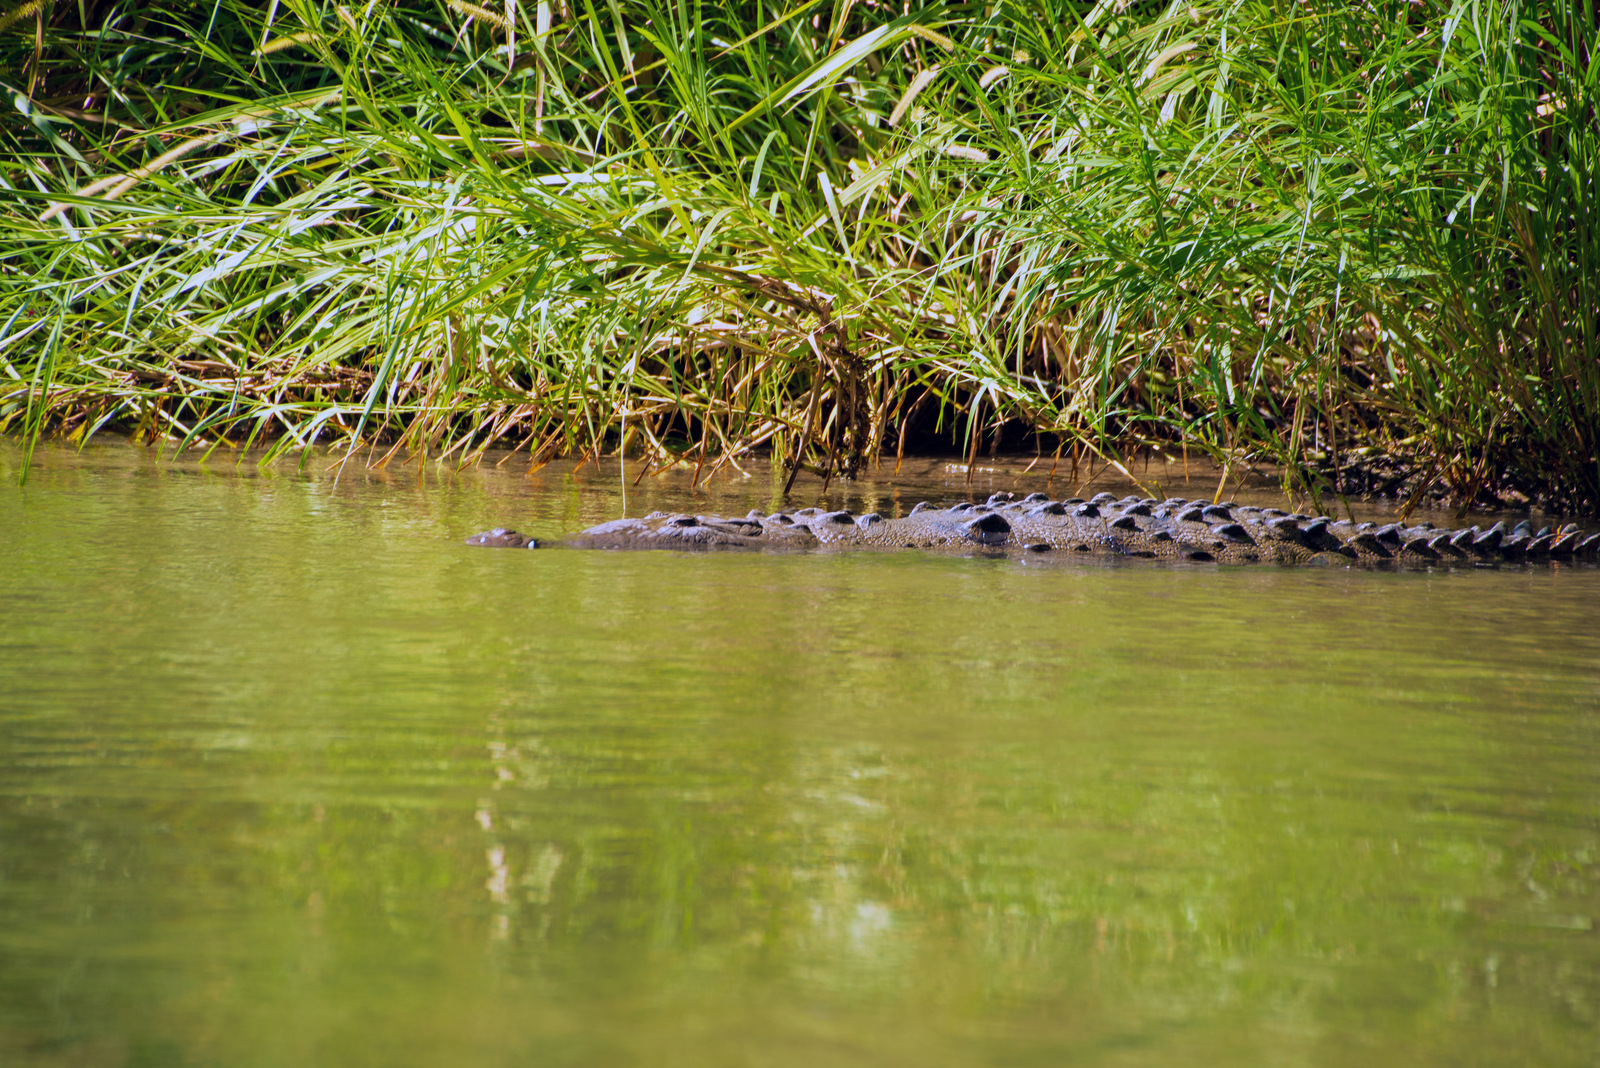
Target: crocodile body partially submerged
1174,529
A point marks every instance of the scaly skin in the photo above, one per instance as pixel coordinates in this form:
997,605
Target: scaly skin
1131,526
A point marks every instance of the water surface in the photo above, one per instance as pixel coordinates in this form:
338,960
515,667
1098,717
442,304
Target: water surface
289,776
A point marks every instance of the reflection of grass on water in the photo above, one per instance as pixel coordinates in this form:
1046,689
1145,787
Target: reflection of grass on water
1315,237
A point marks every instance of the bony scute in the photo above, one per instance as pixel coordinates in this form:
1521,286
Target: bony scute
1131,526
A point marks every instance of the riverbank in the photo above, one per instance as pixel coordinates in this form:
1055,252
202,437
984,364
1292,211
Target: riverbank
1355,244
506,480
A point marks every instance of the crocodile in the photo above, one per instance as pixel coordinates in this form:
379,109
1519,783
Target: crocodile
1106,525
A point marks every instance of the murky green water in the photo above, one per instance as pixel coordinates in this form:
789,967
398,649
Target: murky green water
288,776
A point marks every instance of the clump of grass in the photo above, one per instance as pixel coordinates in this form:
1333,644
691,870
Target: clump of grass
1322,237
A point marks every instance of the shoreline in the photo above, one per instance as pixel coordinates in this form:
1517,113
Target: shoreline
886,486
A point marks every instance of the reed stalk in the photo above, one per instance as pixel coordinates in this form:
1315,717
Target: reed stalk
1357,241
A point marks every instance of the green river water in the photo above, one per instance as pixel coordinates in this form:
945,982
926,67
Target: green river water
290,776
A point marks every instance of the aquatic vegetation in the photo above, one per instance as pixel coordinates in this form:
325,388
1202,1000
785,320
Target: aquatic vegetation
1355,240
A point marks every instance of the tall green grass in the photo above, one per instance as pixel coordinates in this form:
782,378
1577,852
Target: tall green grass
1332,237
